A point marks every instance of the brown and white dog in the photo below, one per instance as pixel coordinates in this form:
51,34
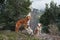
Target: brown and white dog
22,22
38,29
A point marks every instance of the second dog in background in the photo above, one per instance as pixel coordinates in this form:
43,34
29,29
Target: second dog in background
38,29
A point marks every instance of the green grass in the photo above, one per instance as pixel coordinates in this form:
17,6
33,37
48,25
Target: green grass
15,36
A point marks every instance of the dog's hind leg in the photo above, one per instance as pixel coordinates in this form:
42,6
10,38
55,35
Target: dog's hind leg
17,27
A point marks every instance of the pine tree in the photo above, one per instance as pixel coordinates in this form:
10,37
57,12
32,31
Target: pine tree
50,18
14,10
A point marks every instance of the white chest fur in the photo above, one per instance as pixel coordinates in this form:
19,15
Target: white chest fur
29,31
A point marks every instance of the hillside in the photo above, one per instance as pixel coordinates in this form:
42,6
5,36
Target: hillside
11,35
8,35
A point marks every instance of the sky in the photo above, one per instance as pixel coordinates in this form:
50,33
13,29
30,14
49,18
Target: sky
40,4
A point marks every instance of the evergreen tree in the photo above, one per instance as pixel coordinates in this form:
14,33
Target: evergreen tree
14,10
51,18
50,14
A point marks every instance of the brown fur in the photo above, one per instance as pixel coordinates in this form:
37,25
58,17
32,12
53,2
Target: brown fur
20,22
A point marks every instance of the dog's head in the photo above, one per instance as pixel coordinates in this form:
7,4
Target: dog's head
39,24
28,17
